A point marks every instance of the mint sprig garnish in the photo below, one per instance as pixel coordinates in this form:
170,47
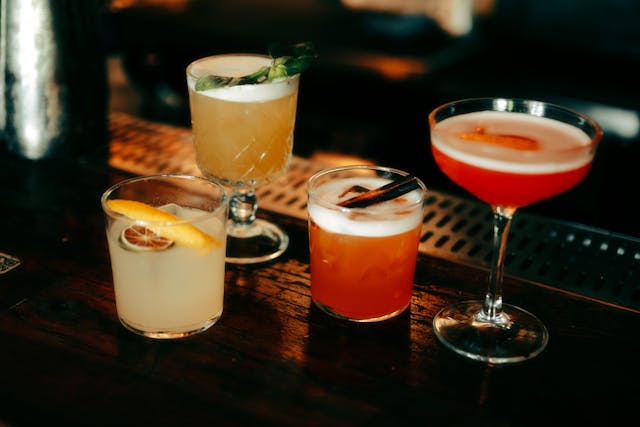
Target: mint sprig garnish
288,60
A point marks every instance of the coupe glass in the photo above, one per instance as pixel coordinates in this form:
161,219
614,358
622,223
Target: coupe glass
509,153
243,136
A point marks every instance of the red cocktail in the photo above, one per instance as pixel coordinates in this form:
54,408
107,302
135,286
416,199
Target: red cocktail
509,153
511,159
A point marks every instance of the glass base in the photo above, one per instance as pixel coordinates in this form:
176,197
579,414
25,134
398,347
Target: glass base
171,334
333,313
260,242
515,336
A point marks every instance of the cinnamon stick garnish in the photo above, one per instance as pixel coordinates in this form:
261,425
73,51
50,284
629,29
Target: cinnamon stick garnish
388,191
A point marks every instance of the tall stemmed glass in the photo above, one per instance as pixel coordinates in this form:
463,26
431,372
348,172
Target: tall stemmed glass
509,153
243,125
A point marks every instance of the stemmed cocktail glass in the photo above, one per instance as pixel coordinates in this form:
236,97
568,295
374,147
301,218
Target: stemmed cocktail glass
243,112
509,153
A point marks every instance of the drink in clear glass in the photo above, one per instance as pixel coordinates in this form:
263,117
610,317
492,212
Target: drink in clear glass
362,259
168,255
509,153
243,136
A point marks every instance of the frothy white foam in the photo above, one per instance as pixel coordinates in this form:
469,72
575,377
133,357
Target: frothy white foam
237,66
562,146
383,219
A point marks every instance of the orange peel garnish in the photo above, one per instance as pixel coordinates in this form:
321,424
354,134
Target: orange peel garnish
182,234
516,142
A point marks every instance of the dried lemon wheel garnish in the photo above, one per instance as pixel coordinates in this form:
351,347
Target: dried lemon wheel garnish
140,239
182,234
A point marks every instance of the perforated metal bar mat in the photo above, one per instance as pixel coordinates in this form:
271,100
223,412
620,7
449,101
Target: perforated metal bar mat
563,255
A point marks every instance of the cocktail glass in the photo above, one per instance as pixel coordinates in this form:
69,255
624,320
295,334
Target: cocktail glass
243,136
362,258
166,237
509,153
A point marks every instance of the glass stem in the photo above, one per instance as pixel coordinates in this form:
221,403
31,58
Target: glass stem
243,206
492,307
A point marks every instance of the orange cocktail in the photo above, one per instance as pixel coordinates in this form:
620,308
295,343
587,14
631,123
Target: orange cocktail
362,259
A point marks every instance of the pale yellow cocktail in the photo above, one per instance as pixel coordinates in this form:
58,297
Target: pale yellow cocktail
243,134
167,258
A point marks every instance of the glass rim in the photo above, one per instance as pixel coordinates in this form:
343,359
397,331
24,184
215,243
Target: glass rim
236,54
224,199
318,175
515,105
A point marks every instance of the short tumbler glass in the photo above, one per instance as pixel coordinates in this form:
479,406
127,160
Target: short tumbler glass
166,237
362,259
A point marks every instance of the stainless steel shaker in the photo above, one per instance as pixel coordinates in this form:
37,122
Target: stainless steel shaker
53,77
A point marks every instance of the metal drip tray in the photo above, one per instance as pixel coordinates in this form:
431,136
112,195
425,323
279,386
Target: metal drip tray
567,256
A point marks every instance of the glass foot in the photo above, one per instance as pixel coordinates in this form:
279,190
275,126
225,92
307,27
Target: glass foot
261,241
516,336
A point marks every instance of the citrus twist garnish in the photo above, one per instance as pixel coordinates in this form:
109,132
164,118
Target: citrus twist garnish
512,141
182,234
288,60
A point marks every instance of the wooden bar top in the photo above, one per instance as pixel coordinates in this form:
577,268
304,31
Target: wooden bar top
273,359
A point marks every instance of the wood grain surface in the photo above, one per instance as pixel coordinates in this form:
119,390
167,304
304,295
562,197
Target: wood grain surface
273,359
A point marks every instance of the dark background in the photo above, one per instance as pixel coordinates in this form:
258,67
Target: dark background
380,71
